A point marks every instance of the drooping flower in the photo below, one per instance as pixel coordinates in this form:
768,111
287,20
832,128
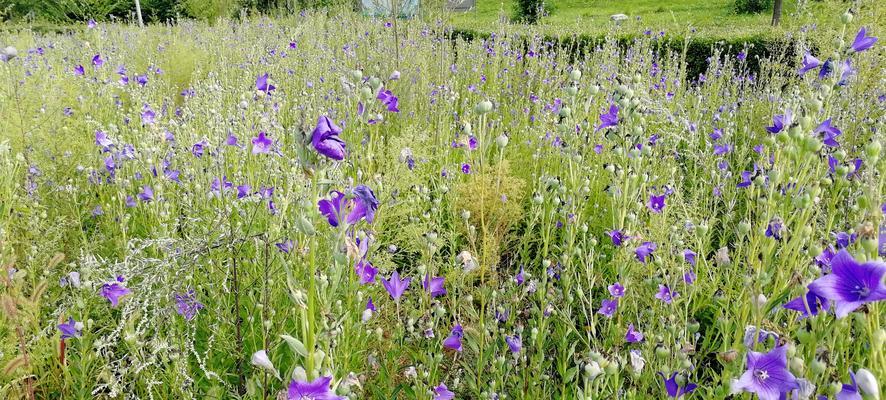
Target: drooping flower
365,205
851,284
70,329
318,389
830,133
365,271
608,307
441,392
186,304
389,100
260,359
261,144
369,310
434,286
664,294
616,290
862,41
633,336
520,277
326,141
674,389
809,63
644,251
656,203
515,344
396,286
453,341
608,119
262,84
113,292
767,374
334,207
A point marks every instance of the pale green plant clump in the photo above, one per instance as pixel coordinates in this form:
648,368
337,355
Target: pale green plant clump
329,206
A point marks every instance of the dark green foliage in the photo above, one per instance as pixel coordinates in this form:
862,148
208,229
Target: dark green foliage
529,11
752,6
698,50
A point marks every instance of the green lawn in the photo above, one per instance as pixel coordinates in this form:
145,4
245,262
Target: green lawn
713,18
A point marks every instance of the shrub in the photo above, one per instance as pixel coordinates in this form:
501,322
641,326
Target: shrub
529,11
752,6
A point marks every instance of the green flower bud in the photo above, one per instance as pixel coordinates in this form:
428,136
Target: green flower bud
572,90
846,18
797,366
356,74
575,75
502,140
817,368
565,112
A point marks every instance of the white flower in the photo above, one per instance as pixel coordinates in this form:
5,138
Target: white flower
74,278
867,383
593,370
367,314
637,360
260,359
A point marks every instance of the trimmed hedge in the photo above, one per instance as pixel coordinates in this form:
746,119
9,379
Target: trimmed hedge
698,50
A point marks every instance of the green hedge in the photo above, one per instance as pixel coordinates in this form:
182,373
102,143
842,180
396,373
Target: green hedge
757,48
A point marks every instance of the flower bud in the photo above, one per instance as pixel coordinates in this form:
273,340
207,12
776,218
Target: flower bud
817,367
483,107
575,75
572,90
356,74
867,382
8,53
846,18
502,140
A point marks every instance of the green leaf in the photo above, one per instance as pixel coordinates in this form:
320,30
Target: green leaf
296,345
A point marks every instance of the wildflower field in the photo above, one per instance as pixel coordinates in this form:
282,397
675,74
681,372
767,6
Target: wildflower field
329,206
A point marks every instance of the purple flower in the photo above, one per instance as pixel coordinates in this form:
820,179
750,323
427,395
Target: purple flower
318,389
186,304
396,286
326,141
142,80
147,194
434,286
746,177
102,140
644,251
609,119
608,307
775,228
862,42
780,122
365,205
69,329
689,256
453,341
231,140
442,393
810,304
674,390
830,133
79,71
851,284
389,100
767,374
515,344
261,144
466,168
849,391
148,115
664,294
97,61
844,239
285,246
262,85
365,271
332,209
656,203
91,23
809,63
633,336
689,277
520,277
617,290
113,292
618,237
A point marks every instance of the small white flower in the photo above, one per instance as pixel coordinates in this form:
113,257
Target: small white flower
74,278
367,314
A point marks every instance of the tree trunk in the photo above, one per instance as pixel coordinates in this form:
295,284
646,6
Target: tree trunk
776,12
138,13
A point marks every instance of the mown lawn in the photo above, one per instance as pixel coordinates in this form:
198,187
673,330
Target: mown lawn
711,18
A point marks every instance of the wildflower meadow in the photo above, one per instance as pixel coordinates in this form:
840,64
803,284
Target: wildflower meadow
335,206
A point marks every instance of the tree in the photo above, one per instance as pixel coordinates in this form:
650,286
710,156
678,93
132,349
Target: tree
776,12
